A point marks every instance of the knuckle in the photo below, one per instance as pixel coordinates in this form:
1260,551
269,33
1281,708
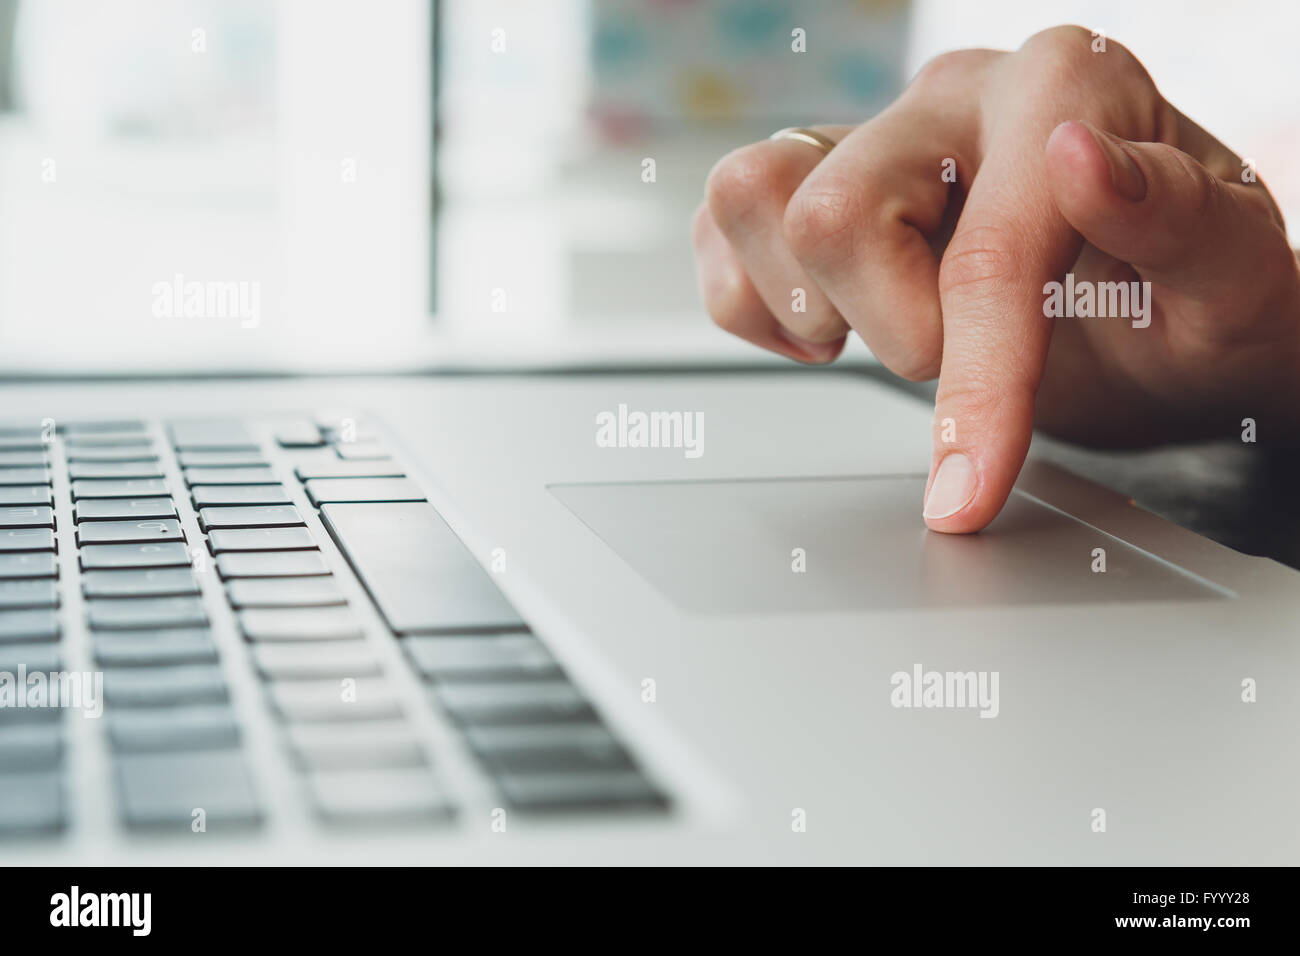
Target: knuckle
1067,40
1063,57
731,185
743,183
819,224
978,260
1133,70
951,68
1126,70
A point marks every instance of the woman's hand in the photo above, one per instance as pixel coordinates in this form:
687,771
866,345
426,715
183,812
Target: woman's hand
934,230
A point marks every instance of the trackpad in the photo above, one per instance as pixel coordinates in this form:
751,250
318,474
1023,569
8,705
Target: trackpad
846,544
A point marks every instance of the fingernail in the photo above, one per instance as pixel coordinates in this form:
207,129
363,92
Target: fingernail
1124,172
953,487
817,351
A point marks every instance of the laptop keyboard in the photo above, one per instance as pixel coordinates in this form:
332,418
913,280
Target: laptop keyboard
160,516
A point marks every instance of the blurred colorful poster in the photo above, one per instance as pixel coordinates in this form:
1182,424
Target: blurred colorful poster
665,62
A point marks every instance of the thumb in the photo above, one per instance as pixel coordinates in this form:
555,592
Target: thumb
1160,210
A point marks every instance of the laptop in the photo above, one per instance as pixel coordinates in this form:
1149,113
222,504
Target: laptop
618,607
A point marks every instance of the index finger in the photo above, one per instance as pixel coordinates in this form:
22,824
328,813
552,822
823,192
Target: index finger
1009,241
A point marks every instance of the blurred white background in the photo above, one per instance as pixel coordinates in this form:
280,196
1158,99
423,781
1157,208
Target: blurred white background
213,139
287,142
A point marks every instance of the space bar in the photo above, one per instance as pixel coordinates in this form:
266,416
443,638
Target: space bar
420,575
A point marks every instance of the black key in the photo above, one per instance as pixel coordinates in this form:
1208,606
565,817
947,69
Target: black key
118,488
129,532
26,495
26,539
155,648
29,716
30,593
516,702
35,657
24,476
300,624
164,554
230,476
385,468
481,657
26,516
128,453
128,614
389,796
95,509
22,432
366,744
419,574
539,737
315,660
31,803
325,490
198,727
250,516
114,469
297,592
107,440
205,495
164,790
594,749
301,434
260,539
99,428
221,459
37,625
323,701
28,747
209,435
27,566
155,582
276,564
164,686
12,458
613,790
